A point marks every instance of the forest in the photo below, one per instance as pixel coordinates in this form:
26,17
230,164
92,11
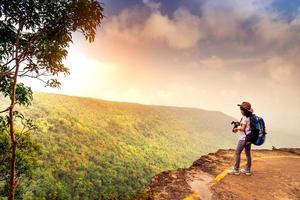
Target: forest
94,149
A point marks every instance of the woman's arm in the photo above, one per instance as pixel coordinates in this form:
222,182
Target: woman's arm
241,128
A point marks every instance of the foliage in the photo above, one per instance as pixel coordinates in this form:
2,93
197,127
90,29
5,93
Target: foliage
36,33
94,149
27,155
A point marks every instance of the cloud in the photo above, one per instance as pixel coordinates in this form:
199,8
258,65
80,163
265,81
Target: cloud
250,31
181,32
151,4
237,39
280,70
227,28
212,62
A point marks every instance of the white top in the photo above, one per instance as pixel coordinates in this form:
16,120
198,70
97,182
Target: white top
245,120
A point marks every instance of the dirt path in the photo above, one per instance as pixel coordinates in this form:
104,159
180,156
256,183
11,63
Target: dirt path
276,175
272,178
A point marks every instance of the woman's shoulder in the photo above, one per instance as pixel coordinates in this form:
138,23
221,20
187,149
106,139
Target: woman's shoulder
245,118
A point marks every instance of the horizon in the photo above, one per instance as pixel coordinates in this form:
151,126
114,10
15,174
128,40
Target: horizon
203,54
154,105
115,101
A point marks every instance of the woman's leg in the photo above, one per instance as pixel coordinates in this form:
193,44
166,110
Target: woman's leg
238,151
248,155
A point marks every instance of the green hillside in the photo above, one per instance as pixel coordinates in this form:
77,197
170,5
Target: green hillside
96,149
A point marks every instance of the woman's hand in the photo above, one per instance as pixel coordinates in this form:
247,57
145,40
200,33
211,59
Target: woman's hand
242,128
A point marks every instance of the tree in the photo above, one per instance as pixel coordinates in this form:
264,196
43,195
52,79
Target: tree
27,153
34,35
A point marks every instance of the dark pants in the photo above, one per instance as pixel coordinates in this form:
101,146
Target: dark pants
241,145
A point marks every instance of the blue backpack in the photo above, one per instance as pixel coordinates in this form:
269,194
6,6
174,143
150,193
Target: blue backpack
258,133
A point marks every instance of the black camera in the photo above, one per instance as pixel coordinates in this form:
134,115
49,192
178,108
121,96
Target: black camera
235,125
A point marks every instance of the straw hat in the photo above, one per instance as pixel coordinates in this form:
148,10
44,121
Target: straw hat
246,105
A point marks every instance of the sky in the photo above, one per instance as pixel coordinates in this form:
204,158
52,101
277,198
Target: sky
207,54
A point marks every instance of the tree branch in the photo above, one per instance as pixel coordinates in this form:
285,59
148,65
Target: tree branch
4,73
24,73
9,61
44,73
37,77
7,109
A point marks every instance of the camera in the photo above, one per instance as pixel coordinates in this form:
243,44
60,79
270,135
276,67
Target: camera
235,124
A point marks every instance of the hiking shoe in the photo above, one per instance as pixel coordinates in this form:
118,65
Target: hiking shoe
233,172
246,172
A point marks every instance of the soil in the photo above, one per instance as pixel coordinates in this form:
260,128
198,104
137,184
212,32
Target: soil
275,175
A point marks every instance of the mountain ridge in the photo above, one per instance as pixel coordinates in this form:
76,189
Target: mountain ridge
133,103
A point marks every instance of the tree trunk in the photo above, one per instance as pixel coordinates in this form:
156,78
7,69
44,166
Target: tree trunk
13,181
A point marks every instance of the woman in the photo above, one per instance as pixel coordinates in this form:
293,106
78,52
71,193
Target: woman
243,130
